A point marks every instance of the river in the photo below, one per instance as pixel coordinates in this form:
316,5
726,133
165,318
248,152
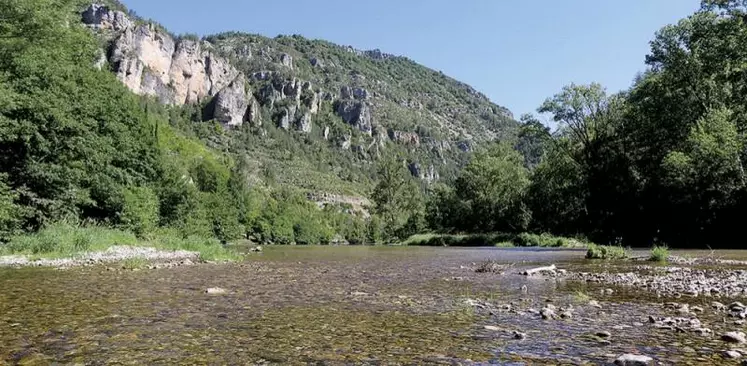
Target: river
343,305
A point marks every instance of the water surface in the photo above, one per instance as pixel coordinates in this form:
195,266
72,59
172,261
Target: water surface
335,305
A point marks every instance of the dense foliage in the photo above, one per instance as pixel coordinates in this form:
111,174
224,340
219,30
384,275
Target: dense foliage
659,163
77,147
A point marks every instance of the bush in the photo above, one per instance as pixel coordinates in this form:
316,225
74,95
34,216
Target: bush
659,253
606,252
545,240
139,210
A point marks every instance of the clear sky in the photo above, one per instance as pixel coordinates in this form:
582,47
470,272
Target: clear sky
516,52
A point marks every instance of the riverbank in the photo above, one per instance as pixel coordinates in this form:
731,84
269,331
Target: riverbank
64,245
501,240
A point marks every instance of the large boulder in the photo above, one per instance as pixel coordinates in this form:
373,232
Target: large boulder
231,103
355,113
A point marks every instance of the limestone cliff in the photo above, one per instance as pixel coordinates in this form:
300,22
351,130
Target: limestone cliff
359,103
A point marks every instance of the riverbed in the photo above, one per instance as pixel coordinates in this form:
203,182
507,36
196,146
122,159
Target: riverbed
355,305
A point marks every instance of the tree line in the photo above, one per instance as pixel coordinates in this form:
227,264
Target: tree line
661,162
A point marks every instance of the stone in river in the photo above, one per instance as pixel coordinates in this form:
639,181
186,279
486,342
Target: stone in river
634,360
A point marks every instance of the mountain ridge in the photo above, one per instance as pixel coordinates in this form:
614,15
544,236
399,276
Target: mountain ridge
358,103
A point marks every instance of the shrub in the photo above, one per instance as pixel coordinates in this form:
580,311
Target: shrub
139,210
606,252
659,253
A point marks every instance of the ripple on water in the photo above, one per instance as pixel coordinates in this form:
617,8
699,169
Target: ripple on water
329,305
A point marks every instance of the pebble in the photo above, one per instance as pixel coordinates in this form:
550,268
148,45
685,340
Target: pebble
633,360
595,303
734,337
215,291
732,354
603,334
520,335
548,313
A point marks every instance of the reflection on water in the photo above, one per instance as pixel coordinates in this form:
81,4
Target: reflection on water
332,305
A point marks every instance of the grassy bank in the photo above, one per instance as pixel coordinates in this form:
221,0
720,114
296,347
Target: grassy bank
496,239
607,252
65,240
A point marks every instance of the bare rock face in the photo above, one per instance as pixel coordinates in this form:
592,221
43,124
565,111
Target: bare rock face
355,113
253,114
405,138
360,93
286,117
231,103
188,73
304,123
150,62
286,60
100,17
429,175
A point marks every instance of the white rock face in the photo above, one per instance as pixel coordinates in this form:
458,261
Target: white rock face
150,62
101,17
231,103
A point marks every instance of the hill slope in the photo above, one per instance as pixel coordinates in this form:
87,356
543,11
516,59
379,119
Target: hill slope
307,113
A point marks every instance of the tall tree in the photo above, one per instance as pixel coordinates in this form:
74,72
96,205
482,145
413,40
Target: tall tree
396,196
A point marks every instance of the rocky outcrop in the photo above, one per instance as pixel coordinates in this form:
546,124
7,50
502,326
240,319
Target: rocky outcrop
428,175
303,124
100,17
286,60
465,146
232,103
150,62
285,117
405,138
355,113
347,92
316,62
253,114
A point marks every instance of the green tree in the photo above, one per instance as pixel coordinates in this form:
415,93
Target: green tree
492,189
396,196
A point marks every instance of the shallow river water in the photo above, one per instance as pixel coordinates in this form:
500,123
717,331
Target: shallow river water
339,306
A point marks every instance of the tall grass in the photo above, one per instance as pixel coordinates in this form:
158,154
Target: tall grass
659,253
62,240
606,252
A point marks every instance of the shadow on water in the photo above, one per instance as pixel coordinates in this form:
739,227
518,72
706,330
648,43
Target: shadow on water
335,305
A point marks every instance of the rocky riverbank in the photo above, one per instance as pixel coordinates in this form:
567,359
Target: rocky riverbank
157,258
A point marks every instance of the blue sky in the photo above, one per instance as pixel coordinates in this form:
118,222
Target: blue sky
516,52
